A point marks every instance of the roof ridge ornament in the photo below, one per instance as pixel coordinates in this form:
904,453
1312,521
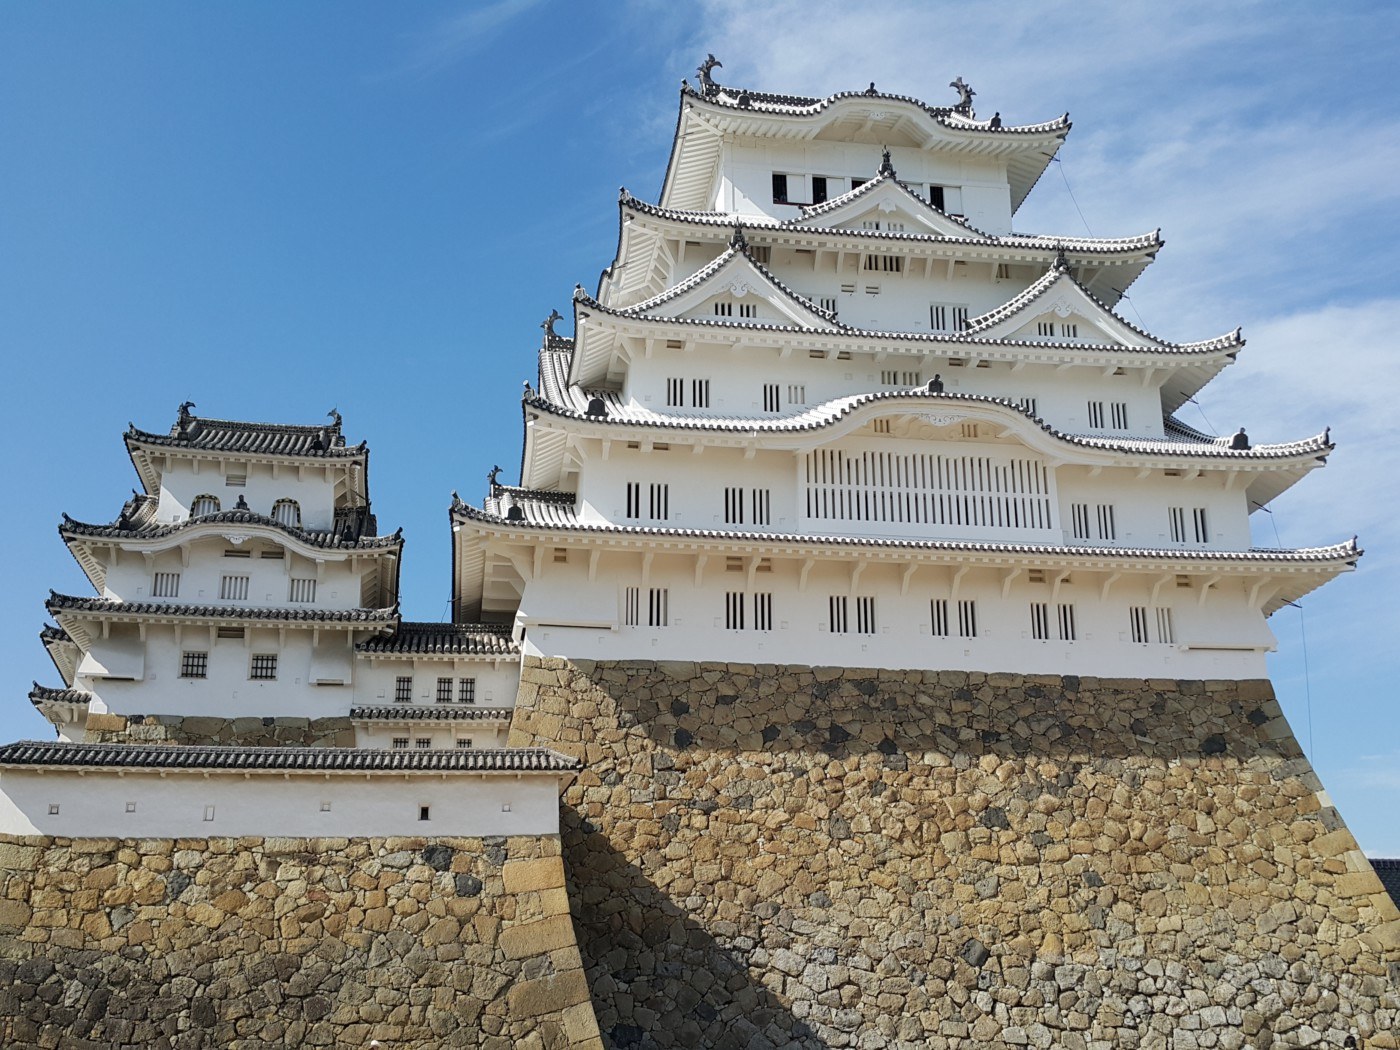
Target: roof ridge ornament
708,87
184,417
737,240
886,165
334,414
871,89
965,93
1061,262
579,293
548,324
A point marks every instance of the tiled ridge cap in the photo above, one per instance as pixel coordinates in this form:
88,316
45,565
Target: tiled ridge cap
76,603
820,417
426,712
32,753
728,97
40,694
327,540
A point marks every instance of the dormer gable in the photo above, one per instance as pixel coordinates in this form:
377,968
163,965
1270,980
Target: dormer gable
738,289
883,204
1058,308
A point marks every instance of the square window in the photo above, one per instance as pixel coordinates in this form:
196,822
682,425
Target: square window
194,665
264,667
423,743
53,809
466,690
403,689
464,742
399,743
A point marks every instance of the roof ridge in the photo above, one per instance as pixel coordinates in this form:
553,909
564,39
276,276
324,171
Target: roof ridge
314,537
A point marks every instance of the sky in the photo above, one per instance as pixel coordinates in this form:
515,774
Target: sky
274,210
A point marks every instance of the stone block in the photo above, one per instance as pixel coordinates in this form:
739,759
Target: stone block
522,876
546,995
536,938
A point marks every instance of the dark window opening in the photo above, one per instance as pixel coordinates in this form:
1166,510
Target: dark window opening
780,188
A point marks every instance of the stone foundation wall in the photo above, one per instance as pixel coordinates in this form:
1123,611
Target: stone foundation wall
800,857
244,943
249,732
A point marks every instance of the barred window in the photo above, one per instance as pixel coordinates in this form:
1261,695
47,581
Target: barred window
865,615
838,610
444,690
464,742
967,618
399,743
658,607
194,665
263,667
938,617
403,688
205,504
423,743
466,690
301,590
165,585
234,588
287,512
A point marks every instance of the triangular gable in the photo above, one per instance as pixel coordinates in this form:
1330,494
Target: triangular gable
1058,299
737,280
884,200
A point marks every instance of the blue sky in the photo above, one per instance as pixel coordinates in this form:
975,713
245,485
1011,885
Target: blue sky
276,209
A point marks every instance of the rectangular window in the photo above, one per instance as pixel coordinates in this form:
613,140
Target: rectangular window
444,690
1040,621
237,554
1118,411
724,308
959,318
165,585
403,688
1003,272
1096,415
1108,528
935,197
1177,517
273,555
1027,404
1066,622
631,606
837,611
1198,519
1079,520
967,618
1166,633
770,398
797,394
466,690
885,263
658,607
780,188
229,632
301,590
763,611
236,481
263,667
748,309
1069,331
938,617
399,743
660,502
425,812
234,588
818,189
634,499
1137,623
194,665
734,610
865,615
464,742
700,391
762,506
1045,328
675,391
423,743
208,812
828,303
734,505
947,317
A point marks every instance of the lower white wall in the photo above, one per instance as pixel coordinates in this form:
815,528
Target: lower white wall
191,805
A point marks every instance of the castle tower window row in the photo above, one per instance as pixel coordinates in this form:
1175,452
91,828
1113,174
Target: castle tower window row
1160,620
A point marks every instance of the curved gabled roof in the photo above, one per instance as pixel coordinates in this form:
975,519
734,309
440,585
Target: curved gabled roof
1187,443
45,694
721,111
233,436
71,528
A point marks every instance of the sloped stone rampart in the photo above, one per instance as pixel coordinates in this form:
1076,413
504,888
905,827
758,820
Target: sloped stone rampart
242,943
821,857
200,729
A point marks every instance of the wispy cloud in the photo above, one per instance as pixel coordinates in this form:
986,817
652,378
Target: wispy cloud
459,36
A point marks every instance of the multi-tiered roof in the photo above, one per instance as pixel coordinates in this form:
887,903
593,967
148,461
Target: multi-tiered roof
827,300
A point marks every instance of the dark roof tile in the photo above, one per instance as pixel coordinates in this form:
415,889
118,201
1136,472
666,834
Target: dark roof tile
449,639
431,713
73,603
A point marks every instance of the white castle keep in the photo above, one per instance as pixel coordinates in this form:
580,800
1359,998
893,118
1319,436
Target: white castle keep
825,407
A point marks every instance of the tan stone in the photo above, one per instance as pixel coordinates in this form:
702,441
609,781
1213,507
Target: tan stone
536,938
522,876
546,995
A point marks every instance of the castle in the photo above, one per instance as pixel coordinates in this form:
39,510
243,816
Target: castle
867,656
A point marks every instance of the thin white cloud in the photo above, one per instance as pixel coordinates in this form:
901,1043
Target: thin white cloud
459,36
